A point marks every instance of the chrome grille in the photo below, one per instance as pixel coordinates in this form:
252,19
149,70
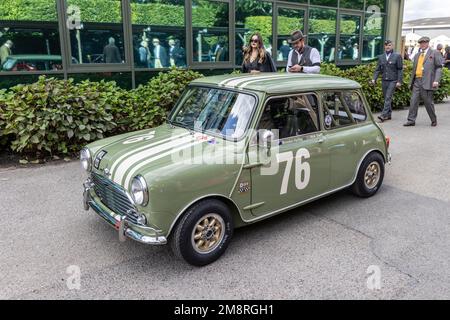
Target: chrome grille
114,197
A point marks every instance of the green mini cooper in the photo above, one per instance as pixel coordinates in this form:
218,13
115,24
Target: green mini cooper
235,150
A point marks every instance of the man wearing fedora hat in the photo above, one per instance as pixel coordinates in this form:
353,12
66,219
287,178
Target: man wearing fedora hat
426,74
302,58
390,68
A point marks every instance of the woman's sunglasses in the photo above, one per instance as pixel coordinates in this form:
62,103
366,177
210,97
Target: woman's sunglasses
254,41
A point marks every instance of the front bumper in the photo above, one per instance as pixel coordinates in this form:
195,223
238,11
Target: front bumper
125,228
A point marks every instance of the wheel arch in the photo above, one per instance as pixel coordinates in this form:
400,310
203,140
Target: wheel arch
361,161
234,210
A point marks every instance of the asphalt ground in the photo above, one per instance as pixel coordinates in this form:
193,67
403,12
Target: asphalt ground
329,249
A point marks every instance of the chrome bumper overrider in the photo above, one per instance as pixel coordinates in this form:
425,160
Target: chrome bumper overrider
120,223
389,158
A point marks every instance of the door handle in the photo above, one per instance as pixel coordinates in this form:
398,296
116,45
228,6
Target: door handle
253,165
321,140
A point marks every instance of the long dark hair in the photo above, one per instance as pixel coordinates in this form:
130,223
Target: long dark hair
261,49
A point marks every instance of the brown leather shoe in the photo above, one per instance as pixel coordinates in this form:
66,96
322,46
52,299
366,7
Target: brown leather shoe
409,124
434,124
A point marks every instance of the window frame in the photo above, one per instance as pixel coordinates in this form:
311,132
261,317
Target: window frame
100,67
354,122
186,44
301,136
190,41
293,6
340,13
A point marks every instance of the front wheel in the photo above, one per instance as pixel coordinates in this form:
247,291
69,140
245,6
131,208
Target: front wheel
203,233
370,176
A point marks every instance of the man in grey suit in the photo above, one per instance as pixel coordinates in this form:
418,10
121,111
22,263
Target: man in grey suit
426,74
390,67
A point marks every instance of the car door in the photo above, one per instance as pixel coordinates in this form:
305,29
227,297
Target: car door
293,166
344,114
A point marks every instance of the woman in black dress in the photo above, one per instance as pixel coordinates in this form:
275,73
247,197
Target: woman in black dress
256,58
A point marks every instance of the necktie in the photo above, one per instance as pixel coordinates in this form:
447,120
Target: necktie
419,70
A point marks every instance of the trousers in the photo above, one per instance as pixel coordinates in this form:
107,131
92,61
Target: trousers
388,92
427,95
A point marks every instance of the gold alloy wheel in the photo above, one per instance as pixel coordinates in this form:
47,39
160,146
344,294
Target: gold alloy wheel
372,175
208,233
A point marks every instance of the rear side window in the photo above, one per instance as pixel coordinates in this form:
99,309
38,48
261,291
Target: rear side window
342,109
355,105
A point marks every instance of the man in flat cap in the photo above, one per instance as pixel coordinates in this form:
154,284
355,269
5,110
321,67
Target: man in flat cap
5,52
426,74
390,68
302,58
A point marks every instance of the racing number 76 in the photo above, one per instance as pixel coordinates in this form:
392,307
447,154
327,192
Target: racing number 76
302,169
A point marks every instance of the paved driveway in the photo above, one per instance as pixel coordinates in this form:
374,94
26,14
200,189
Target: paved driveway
322,250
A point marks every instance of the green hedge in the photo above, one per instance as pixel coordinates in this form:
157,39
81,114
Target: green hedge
58,117
363,73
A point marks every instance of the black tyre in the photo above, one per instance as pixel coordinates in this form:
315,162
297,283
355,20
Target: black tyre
370,176
203,233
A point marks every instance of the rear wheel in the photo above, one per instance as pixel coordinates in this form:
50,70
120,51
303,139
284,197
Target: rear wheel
203,233
370,176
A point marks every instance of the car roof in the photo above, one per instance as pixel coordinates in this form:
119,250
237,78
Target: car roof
34,57
275,83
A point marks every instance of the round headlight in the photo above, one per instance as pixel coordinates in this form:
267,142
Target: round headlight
85,158
139,191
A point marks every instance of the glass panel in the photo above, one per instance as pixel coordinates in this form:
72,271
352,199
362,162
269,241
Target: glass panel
219,111
352,4
29,37
96,31
350,30
291,116
322,32
252,16
210,26
373,37
328,3
289,20
159,36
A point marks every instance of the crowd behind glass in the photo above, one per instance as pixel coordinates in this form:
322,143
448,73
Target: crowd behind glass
30,48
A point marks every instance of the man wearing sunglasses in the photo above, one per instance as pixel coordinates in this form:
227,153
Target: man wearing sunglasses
302,58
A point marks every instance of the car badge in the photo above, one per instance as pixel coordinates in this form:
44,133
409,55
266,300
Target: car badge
244,187
107,172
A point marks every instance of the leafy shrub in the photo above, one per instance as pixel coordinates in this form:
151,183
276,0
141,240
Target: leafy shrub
148,105
58,117
4,97
55,116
